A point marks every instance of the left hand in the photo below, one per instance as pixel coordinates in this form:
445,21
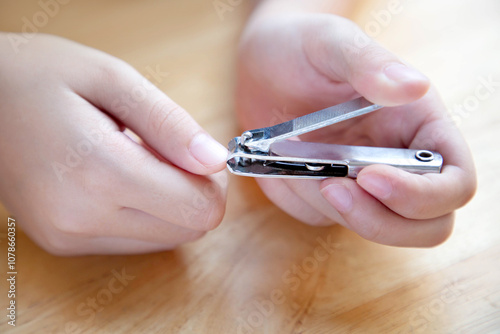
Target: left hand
297,63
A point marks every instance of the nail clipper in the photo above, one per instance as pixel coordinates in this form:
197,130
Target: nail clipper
266,152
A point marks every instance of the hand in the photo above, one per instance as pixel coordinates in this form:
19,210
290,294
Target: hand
74,180
296,63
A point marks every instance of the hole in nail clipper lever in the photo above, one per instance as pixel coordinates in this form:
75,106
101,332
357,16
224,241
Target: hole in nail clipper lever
424,155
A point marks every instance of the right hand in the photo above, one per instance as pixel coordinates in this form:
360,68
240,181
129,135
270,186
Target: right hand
299,62
75,181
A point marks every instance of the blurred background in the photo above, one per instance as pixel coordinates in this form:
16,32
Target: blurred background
245,276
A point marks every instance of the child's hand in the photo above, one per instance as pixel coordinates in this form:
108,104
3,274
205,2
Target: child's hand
74,180
297,63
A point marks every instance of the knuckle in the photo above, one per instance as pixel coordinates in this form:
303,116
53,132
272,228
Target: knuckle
116,167
212,216
206,207
165,116
117,161
111,70
373,53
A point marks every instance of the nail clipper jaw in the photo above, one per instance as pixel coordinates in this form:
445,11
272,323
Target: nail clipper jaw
256,141
237,150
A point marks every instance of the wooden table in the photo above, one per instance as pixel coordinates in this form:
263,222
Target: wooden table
261,271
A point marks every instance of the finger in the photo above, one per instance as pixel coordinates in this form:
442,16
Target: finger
430,195
167,192
127,174
287,200
174,196
309,192
138,225
128,231
340,50
120,90
369,218
417,196
121,223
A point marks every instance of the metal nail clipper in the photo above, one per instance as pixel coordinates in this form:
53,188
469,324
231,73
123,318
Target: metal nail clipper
266,152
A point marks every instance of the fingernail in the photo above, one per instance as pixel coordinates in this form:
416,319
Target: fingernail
376,185
403,73
207,150
339,196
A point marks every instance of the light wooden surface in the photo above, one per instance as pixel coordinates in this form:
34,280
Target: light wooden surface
261,271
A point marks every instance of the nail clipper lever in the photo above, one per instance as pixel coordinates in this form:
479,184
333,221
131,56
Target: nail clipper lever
266,152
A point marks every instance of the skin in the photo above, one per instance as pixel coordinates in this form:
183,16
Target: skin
294,60
121,195
156,190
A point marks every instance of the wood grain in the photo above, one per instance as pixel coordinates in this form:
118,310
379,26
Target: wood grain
261,271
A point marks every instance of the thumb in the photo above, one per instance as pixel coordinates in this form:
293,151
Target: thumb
160,122
343,52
